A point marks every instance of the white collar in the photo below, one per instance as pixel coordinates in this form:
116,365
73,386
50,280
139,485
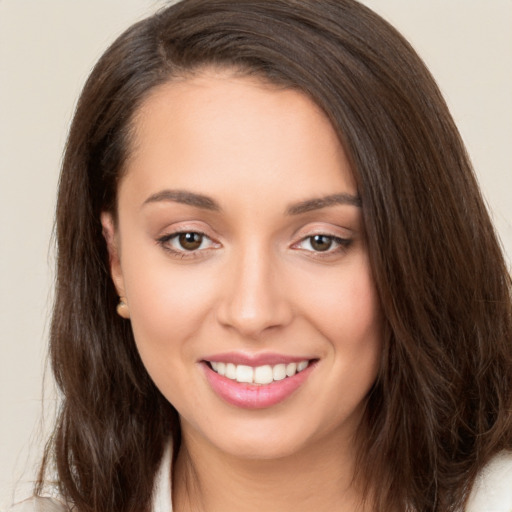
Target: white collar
162,501
492,491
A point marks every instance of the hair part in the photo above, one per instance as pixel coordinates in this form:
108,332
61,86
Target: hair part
440,408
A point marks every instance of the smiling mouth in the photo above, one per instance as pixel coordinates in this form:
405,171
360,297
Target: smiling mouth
259,375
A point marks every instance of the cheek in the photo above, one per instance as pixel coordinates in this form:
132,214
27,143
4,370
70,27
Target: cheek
168,303
345,308
168,308
347,313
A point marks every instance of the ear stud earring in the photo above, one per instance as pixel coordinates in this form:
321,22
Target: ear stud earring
122,308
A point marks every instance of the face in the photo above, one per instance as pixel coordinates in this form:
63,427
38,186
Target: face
240,252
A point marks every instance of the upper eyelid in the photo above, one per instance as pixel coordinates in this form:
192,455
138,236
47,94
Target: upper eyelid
171,231
333,231
172,234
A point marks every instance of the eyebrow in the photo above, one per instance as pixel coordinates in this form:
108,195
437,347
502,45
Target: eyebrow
207,203
184,197
323,202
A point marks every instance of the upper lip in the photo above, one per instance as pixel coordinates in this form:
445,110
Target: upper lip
255,359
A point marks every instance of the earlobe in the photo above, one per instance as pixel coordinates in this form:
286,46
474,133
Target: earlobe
122,308
109,233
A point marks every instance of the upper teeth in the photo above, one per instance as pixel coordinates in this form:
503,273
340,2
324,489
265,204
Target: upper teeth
260,374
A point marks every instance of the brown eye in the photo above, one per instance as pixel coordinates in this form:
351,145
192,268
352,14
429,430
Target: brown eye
190,241
321,243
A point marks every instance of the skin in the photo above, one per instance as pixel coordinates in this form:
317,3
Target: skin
256,284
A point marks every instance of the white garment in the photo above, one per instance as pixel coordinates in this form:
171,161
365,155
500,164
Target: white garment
161,494
492,491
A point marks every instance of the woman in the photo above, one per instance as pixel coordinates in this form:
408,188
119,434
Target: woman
278,286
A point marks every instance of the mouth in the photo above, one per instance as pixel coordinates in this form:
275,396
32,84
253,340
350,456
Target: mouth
252,386
259,375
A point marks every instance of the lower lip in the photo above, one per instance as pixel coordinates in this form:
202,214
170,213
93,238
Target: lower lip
252,396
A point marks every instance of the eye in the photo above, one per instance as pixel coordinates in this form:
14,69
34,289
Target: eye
190,241
320,243
323,243
185,242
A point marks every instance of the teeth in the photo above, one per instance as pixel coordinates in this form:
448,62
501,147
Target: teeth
230,371
263,374
302,365
279,372
244,373
260,374
291,369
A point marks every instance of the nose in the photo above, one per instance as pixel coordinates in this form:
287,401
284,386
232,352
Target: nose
254,299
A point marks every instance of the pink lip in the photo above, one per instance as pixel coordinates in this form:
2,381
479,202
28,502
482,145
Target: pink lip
252,396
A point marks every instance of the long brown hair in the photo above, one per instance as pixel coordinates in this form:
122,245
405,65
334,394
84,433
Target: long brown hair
441,406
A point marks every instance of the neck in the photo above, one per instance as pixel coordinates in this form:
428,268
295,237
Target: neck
319,478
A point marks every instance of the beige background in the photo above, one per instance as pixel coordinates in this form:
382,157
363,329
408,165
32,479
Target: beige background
47,48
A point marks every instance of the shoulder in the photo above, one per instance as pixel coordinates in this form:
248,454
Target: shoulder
53,503
39,504
492,491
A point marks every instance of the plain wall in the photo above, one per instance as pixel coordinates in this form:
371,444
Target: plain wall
47,48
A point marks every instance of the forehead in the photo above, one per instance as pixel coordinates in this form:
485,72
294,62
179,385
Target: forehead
216,128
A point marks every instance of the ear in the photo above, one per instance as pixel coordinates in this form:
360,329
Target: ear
112,239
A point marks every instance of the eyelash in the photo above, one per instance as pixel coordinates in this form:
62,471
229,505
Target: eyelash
341,244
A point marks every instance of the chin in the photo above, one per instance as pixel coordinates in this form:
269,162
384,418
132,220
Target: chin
263,447
271,437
